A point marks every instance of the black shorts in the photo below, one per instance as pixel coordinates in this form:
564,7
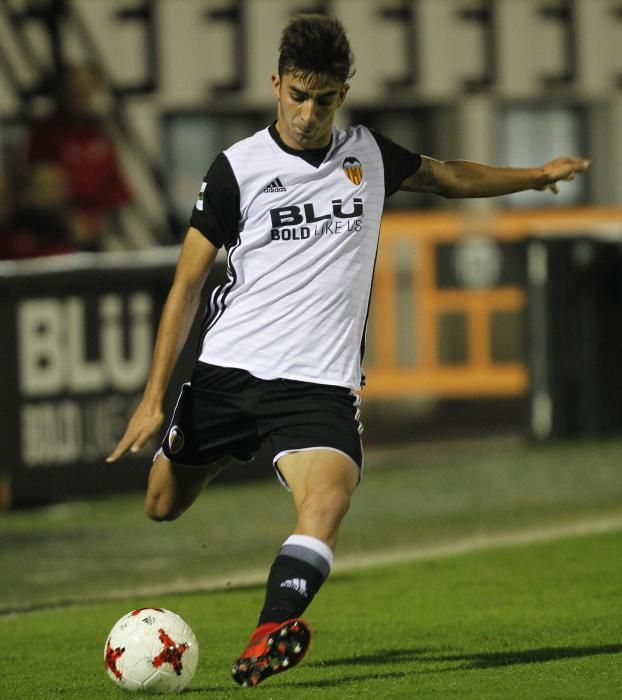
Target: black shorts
228,412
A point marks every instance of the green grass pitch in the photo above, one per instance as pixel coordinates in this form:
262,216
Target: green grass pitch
532,621
539,621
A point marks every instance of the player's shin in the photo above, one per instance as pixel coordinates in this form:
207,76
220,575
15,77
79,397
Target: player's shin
299,570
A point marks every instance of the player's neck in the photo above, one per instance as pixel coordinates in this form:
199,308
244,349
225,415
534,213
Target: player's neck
285,143
292,144
314,157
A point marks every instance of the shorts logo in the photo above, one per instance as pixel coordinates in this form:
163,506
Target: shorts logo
176,439
353,169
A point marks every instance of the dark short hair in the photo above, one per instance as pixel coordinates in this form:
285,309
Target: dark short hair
316,44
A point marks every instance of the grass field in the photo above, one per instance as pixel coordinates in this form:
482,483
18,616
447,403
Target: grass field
540,619
534,621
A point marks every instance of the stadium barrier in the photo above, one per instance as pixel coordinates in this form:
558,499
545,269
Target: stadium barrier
78,336
448,319
575,335
449,300
522,304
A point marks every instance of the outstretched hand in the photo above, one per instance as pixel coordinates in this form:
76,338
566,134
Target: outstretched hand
145,422
562,168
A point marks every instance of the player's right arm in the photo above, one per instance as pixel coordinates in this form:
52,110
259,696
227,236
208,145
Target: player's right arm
195,260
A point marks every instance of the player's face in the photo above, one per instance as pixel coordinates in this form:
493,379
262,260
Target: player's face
306,108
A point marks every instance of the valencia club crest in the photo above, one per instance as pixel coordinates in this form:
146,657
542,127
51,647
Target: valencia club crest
175,439
353,169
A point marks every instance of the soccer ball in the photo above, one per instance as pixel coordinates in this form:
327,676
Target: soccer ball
151,650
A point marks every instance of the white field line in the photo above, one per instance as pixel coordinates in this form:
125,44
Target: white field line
356,562
483,541
466,545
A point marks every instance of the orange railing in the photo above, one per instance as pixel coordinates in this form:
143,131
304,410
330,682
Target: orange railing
408,302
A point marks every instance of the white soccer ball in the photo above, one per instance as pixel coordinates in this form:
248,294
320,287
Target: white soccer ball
151,650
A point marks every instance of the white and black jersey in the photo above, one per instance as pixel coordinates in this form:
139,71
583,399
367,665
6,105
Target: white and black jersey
301,232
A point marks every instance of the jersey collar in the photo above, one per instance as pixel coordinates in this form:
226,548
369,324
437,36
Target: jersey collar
314,157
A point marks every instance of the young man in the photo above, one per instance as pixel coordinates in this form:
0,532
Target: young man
297,207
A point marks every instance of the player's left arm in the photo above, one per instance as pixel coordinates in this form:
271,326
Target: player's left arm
464,178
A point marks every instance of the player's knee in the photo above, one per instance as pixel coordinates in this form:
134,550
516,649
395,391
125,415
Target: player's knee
161,509
328,507
338,503
338,500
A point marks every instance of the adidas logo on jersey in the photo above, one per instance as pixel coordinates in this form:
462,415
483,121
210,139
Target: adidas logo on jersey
275,186
296,584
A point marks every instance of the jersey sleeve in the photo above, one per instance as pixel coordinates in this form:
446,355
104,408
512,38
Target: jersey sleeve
217,210
399,163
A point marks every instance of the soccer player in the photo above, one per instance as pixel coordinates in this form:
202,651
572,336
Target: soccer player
297,207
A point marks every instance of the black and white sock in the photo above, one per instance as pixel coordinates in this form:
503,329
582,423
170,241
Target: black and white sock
300,568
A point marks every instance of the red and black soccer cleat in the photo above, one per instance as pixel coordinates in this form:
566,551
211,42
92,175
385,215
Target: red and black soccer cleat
274,647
